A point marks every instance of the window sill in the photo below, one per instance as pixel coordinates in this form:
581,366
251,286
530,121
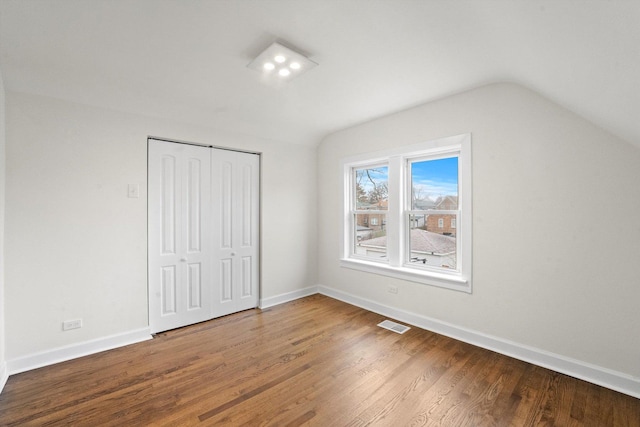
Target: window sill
426,277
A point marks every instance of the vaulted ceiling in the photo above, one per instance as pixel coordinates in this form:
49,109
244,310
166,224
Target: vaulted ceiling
186,60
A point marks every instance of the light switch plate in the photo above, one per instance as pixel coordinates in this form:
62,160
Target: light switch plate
133,191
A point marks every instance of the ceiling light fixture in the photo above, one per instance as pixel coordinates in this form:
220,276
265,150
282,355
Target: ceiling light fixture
281,62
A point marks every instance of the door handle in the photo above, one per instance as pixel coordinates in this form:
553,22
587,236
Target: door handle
184,259
233,254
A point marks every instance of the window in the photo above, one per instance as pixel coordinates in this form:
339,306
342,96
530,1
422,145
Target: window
433,181
417,201
369,189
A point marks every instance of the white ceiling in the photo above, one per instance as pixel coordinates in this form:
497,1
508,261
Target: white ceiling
187,59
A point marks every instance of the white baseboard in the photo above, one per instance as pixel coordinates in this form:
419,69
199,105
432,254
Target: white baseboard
61,354
608,378
289,296
4,375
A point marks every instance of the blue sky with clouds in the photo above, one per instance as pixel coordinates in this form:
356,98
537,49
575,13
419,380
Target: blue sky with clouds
429,178
435,178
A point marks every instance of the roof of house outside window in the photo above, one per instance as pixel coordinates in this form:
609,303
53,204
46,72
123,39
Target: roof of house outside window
421,241
447,202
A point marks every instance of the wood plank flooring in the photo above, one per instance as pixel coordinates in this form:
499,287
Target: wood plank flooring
314,361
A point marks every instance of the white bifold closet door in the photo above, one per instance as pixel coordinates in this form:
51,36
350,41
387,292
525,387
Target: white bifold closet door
203,233
235,193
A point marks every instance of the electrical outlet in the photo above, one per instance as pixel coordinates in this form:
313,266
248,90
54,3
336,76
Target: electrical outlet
392,289
71,324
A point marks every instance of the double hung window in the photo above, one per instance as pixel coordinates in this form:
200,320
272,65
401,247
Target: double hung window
407,213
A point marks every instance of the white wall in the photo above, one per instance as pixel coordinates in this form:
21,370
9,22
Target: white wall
3,365
76,245
555,196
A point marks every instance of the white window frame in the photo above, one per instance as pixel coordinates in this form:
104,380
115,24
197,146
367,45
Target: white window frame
396,264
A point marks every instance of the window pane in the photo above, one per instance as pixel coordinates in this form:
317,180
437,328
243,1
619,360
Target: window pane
371,235
431,245
434,184
371,190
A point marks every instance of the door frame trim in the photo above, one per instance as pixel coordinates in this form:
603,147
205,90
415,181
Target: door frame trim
176,141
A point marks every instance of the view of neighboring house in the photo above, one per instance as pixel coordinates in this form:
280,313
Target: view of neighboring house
433,236
443,223
375,222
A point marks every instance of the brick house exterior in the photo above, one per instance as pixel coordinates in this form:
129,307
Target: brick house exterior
443,224
374,222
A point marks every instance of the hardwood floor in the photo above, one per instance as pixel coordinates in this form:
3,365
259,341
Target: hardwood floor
314,361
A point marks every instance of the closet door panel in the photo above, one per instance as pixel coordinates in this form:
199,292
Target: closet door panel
237,245
180,251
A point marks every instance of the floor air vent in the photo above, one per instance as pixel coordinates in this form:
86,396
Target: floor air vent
393,326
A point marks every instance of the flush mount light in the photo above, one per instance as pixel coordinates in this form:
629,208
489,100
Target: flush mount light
281,62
